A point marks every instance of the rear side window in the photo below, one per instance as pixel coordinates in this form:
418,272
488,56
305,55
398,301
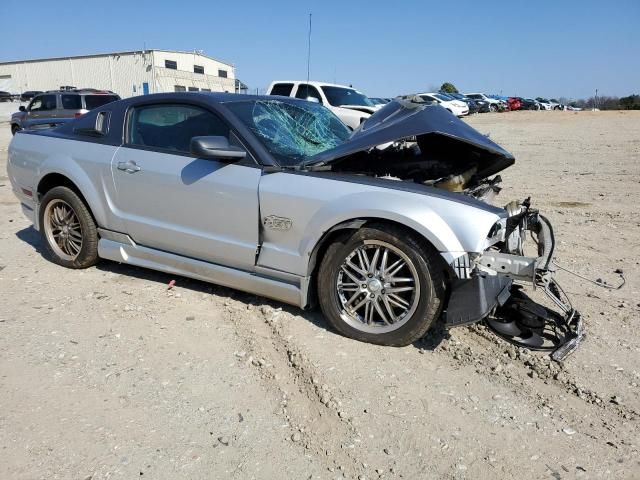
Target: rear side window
308,91
171,127
71,102
95,101
282,89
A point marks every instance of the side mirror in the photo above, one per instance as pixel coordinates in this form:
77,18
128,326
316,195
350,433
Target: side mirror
312,99
216,148
22,108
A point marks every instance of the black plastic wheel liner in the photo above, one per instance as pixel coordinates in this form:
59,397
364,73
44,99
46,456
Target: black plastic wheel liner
472,300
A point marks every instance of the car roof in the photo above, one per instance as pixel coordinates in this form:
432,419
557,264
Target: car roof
210,97
433,94
314,83
82,91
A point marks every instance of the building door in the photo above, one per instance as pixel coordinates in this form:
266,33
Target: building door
6,84
145,88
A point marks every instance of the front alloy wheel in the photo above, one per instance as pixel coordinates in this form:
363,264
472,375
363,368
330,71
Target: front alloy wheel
381,284
378,287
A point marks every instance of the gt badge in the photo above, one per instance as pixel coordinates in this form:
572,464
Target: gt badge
274,222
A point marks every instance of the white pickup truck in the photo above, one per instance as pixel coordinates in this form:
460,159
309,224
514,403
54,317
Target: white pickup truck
349,105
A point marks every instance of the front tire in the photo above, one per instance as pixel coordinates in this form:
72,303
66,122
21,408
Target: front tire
381,285
68,229
493,107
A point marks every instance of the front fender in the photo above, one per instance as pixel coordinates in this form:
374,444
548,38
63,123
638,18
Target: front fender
452,228
314,204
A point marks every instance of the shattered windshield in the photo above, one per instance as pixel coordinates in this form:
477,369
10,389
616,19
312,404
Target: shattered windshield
292,131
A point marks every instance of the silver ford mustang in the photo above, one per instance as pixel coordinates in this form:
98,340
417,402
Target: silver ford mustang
388,228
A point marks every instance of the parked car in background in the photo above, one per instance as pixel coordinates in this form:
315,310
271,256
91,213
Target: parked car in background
6,97
474,107
514,103
494,105
556,105
544,103
53,108
386,239
28,95
529,104
457,107
348,104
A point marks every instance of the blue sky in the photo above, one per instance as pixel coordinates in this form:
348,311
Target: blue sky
543,48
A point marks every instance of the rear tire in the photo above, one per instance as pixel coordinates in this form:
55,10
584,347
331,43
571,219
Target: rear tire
15,129
68,229
377,304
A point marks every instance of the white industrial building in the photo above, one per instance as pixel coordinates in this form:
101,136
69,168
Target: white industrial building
125,73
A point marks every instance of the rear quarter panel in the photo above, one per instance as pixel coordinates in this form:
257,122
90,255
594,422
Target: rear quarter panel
86,164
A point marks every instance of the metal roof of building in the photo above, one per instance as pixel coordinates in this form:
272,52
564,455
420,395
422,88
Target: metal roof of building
125,52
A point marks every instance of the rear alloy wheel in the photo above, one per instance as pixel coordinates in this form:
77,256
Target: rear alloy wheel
68,229
381,285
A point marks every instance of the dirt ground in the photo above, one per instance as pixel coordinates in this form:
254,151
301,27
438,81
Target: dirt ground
104,373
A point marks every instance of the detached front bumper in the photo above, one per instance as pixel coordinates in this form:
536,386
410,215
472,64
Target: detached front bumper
489,286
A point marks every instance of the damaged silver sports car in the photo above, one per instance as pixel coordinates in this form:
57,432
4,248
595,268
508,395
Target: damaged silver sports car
388,228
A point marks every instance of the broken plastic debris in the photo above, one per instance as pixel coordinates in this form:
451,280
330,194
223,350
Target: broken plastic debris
172,283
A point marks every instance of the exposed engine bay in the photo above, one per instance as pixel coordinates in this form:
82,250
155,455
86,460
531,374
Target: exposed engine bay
427,160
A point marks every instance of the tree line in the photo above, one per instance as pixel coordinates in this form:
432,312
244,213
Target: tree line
631,102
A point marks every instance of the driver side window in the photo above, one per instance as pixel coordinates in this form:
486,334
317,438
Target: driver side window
36,104
171,127
43,103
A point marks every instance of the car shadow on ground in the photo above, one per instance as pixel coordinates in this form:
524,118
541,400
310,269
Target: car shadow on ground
32,237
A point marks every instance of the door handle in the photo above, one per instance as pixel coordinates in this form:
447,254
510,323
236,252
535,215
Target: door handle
129,167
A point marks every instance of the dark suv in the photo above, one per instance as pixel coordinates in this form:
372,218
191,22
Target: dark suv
53,108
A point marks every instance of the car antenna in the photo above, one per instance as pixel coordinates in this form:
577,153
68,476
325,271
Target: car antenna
309,50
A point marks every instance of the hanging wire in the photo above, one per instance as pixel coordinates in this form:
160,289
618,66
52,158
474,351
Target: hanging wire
599,282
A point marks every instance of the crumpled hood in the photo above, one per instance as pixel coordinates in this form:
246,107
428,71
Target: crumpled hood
403,118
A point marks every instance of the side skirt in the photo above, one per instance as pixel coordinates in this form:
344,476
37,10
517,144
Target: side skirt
124,250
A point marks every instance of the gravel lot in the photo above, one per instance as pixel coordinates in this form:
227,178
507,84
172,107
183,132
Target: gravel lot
105,373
